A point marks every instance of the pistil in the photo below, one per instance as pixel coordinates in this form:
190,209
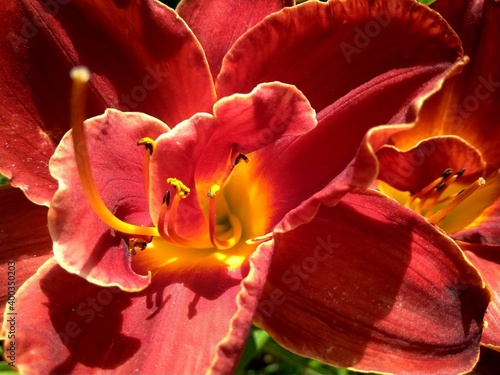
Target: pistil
80,77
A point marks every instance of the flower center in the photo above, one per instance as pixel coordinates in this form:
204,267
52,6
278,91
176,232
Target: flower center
438,199
224,228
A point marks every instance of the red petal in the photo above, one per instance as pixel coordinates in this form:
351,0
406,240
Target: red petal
371,285
173,327
414,169
311,162
24,240
486,259
143,58
485,229
468,104
329,49
464,17
83,244
218,24
266,121
175,156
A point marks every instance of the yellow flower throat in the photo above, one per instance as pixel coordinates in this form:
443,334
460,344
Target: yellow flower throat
224,228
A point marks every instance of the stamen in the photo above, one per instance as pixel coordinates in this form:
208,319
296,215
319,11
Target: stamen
428,194
233,220
150,145
463,195
168,213
80,76
259,239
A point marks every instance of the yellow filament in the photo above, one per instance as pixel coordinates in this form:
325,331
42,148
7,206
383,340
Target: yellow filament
168,215
172,217
442,213
233,220
80,76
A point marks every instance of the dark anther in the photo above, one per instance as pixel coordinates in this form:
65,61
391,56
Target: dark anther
136,244
440,186
447,173
146,143
166,198
459,173
241,157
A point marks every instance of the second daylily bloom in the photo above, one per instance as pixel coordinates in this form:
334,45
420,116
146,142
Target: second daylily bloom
173,234
449,161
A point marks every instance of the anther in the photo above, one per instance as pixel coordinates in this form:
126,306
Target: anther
168,213
213,191
148,143
136,244
180,189
447,173
241,157
440,186
459,173
166,198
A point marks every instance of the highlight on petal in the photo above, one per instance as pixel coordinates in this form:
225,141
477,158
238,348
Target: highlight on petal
328,49
142,55
486,258
83,244
70,325
25,242
370,285
218,24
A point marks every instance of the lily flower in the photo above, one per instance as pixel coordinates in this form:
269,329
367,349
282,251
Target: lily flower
236,192
446,167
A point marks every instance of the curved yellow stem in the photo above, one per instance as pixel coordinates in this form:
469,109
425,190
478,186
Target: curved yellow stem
80,76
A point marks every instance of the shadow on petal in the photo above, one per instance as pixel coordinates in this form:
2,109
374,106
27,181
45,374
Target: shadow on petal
369,284
88,320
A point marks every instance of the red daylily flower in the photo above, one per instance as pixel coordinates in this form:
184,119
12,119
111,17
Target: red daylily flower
450,159
250,189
